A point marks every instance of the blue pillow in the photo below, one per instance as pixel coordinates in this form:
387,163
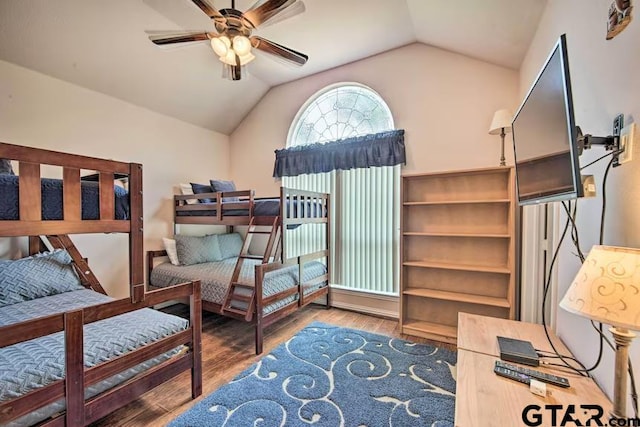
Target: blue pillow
230,245
37,276
197,249
5,167
224,186
201,188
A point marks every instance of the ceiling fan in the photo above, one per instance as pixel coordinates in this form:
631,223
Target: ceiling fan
232,40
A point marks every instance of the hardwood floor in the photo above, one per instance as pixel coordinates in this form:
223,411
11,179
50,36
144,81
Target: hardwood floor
227,349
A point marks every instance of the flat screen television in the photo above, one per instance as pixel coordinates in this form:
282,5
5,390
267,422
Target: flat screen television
545,137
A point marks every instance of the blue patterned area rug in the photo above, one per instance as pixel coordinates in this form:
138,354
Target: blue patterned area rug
331,376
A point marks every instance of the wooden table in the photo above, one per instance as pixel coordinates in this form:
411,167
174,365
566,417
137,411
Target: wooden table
485,399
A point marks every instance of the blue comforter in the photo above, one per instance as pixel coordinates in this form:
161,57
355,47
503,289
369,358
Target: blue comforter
262,207
52,208
29,365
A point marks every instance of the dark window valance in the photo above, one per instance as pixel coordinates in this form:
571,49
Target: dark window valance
380,149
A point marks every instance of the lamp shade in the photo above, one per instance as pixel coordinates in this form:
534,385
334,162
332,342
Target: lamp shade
244,60
607,287
501,119
229,58
241,45
220,45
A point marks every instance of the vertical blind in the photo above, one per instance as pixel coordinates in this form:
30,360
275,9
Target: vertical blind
365,209
365,219
368,228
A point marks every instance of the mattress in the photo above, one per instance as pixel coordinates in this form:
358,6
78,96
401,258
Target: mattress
33,364
216,276
262,207
52,208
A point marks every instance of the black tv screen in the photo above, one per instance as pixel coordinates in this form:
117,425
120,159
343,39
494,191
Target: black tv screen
545,136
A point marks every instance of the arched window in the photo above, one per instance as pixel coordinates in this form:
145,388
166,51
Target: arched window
340,111
366,202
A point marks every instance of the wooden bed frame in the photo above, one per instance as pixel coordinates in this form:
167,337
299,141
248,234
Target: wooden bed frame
274,257
80,412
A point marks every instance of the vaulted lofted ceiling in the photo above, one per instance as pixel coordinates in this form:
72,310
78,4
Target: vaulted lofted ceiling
102,45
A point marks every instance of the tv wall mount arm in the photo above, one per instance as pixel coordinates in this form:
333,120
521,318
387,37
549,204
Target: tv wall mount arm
611,142
586,141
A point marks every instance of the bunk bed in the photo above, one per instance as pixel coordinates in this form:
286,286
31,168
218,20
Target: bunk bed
261,289
70,358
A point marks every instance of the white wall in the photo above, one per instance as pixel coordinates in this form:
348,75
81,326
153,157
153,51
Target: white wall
40,111
605,82
444,101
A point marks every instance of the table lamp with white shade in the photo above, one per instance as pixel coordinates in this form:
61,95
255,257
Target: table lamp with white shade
501,125
607,290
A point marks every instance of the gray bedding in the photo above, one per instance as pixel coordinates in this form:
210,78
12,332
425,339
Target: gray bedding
36,363
215,278
263,207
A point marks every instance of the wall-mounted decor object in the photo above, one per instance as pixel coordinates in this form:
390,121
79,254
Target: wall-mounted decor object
619,17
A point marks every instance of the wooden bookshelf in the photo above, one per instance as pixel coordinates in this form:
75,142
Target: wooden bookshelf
455,234
456,266
458,249
458,296
453,202
430,330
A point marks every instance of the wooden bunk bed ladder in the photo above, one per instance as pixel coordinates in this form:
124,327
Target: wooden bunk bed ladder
80,263
245,293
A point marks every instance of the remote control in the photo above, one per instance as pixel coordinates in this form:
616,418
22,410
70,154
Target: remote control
532,373
511,374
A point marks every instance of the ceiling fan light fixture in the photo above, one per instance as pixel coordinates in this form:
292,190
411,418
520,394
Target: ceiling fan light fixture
241,45
221,45
232,41
231,72
245,59
229,58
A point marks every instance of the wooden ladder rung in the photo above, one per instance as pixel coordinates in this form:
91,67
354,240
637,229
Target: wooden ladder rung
258,232
242,285
236,311
239,297
258,257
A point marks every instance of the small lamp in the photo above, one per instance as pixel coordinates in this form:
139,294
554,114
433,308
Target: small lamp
607,290
501,125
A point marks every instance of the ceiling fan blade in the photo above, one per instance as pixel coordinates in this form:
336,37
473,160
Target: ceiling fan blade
272,48
210,11
172,38
289,12
262,11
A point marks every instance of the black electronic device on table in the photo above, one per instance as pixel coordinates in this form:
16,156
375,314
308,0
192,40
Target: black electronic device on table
518,351
511,374
524,375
